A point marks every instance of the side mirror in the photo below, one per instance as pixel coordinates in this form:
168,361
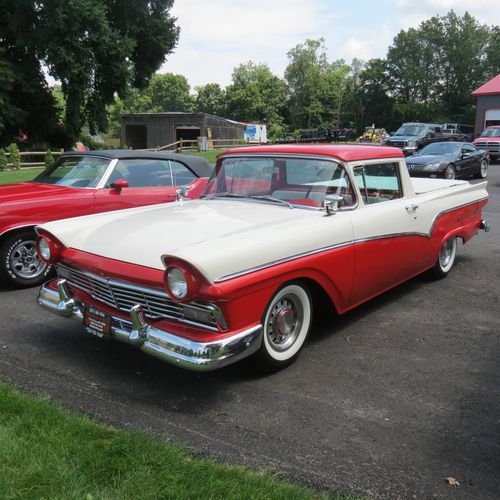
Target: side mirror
331,203
181,193
119,185
465,154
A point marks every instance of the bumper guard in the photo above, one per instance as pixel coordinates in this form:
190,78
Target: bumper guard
182,352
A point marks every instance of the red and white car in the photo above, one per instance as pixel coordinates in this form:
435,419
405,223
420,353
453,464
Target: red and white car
489,141
207,282
81,184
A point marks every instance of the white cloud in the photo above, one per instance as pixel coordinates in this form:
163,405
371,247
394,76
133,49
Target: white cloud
216,36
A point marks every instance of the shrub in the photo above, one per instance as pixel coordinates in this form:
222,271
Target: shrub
3,160
15,158
49,158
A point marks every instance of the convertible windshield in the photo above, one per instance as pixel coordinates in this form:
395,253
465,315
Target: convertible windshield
284,181
440,148
410,130
75,171
491,132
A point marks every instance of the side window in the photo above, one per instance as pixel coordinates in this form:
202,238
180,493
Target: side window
143,173
466,148
378,182
437,129
181,174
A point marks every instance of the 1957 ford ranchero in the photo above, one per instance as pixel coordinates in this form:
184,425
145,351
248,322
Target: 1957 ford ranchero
205,283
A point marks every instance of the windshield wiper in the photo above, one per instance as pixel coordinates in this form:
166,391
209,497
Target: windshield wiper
271,198
222,195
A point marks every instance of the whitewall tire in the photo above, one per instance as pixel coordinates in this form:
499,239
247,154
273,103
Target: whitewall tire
286,324
446,258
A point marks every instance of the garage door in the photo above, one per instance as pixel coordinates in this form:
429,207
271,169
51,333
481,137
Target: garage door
492,117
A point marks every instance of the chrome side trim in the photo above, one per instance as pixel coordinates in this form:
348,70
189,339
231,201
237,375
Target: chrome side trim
281,261
179,351
343,244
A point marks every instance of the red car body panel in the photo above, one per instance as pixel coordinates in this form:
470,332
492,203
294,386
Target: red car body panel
31,203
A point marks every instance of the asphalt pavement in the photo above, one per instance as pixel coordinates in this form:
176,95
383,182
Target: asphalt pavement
387,400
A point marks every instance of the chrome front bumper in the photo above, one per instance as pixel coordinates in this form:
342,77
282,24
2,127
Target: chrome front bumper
185,353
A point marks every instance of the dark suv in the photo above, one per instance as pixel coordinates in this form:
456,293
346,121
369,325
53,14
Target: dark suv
413,136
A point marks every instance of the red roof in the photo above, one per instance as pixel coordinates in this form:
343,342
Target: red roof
344,152
490,87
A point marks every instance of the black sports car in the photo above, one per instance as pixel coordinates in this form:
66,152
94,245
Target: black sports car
448,160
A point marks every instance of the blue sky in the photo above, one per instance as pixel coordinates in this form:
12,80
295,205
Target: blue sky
217,35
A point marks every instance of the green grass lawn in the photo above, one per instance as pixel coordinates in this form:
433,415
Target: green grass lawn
210,156
49,452
12,176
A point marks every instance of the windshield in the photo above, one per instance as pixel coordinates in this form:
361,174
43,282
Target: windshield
491,132
287,180
75,171
411,130
440,148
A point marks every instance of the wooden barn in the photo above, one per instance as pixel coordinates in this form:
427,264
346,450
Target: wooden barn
149,130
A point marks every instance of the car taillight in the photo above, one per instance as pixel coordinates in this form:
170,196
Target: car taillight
180,281
48,248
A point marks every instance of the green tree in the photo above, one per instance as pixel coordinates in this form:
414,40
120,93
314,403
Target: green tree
168,92
255,94
14,157
3,160
49,158
307,64
95,48
211,99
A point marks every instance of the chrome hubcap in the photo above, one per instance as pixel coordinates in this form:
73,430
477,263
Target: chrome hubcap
450,174
446,253
484,168
285,322
24,261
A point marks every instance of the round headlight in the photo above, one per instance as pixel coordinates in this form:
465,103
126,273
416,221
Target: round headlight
177,283
44,249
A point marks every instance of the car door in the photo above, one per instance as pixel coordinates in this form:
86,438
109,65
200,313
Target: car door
471,158
149,181
388,246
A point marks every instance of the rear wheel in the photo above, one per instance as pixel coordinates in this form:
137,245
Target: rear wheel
446,258
483,170
286,324
20,266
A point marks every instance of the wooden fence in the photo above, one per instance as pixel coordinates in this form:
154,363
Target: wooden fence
35,154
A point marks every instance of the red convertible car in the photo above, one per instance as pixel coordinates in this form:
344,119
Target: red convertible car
83,184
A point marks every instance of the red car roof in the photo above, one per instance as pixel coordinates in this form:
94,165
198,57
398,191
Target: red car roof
344,152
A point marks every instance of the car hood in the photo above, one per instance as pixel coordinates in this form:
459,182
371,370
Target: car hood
427,159
487,139
218,237
28,192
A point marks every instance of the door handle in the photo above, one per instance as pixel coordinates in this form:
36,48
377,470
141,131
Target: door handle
412,209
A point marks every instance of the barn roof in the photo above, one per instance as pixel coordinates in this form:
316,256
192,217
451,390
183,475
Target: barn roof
490,87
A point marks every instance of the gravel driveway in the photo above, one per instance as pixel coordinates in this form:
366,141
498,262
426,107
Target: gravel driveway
388,400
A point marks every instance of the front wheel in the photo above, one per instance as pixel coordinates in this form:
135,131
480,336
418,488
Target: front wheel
286,324
20,266
446,259
449,173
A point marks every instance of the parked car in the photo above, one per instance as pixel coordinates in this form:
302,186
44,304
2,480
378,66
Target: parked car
277,227
450,160
453,134
490,141
466,130
411,137
81,184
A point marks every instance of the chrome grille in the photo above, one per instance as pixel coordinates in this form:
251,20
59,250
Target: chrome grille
123,296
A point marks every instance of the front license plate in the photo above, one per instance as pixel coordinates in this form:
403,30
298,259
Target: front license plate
96,322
